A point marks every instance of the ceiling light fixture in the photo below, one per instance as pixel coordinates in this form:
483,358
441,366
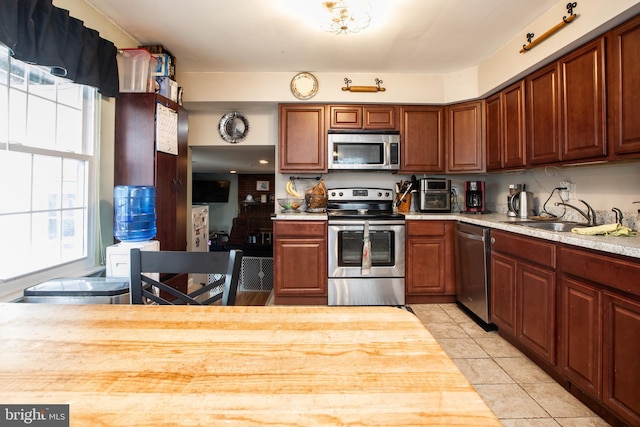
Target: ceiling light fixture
346,16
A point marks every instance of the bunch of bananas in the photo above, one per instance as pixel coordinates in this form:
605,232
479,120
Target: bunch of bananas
291,190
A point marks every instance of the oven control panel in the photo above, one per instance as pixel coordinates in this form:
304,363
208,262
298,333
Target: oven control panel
362,194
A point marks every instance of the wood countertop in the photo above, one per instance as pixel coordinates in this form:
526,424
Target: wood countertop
123,365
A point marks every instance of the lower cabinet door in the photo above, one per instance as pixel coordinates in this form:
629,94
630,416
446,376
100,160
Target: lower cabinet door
580,335
621,388
503,292
300,267
425,270
536,295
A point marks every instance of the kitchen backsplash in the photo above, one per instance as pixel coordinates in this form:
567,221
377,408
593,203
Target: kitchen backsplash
602,186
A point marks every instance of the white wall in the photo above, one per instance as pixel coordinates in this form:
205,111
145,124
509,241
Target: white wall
263,122
505,65
594,18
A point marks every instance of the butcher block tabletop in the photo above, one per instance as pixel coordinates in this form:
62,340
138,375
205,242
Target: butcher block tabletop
124,365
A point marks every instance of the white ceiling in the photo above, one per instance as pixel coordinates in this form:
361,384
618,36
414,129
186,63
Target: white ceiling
405,36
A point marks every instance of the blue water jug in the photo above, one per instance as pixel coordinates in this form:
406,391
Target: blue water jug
135,213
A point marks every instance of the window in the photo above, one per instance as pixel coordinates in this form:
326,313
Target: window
47,170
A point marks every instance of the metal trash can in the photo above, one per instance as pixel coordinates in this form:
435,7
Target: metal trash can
80,290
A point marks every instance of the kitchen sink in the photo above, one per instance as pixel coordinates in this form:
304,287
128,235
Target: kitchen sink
562,226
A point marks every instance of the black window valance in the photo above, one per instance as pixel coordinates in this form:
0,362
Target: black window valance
39,33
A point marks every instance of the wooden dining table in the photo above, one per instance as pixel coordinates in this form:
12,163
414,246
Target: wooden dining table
137,365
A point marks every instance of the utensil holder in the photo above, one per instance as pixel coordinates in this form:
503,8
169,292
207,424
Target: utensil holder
405,204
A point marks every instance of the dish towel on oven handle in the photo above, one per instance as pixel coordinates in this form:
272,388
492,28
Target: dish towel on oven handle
366,251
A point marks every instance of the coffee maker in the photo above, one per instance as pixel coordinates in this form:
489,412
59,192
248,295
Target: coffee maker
514,191
474,196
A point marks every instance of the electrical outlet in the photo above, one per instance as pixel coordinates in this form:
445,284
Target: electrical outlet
565,194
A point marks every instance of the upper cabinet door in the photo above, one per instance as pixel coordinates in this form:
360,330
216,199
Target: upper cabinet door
345,117
465,140
379,117
383,117
302,138
422,140
505,128
513,126
493,133
624,88
583,102
543,115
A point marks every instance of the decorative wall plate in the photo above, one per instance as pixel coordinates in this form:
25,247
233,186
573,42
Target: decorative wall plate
304,85
233,127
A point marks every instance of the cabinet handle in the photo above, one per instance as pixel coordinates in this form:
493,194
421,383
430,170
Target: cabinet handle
493,240
179,186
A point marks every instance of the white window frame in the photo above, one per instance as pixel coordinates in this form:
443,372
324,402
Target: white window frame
12,288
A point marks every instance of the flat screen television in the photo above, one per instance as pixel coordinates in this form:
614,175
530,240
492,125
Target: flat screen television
209,190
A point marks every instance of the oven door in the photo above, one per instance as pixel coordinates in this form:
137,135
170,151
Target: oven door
345,241
384,283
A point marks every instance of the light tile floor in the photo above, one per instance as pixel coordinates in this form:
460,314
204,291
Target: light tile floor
516,389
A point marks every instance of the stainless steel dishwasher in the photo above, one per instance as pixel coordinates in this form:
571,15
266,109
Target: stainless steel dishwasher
473,260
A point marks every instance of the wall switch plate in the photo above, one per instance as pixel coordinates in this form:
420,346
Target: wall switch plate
565,195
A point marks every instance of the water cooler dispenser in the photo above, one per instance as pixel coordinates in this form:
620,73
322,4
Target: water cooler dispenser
134,224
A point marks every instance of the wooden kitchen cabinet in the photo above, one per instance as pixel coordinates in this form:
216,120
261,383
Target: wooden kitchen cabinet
383,117
302,142
300,262
465,137
621,364
566,108
429,265
139,163
503,292
524,291
623,89
580,347
543,115
422,136
583,101
599,334
493,133
505,129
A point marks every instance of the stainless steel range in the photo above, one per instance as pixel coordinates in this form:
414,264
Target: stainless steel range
366,247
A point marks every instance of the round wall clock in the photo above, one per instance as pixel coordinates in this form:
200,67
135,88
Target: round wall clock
233,127
304,85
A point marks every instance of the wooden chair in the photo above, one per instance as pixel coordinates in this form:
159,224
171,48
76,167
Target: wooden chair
225,264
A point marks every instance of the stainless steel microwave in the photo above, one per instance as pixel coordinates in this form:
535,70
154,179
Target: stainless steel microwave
364,150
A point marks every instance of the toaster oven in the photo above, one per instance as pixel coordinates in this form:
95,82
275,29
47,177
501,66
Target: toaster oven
435,195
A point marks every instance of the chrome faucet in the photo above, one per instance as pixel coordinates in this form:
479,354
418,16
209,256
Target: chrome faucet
590,215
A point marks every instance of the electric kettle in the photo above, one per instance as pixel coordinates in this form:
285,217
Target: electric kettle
512,205
522,204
